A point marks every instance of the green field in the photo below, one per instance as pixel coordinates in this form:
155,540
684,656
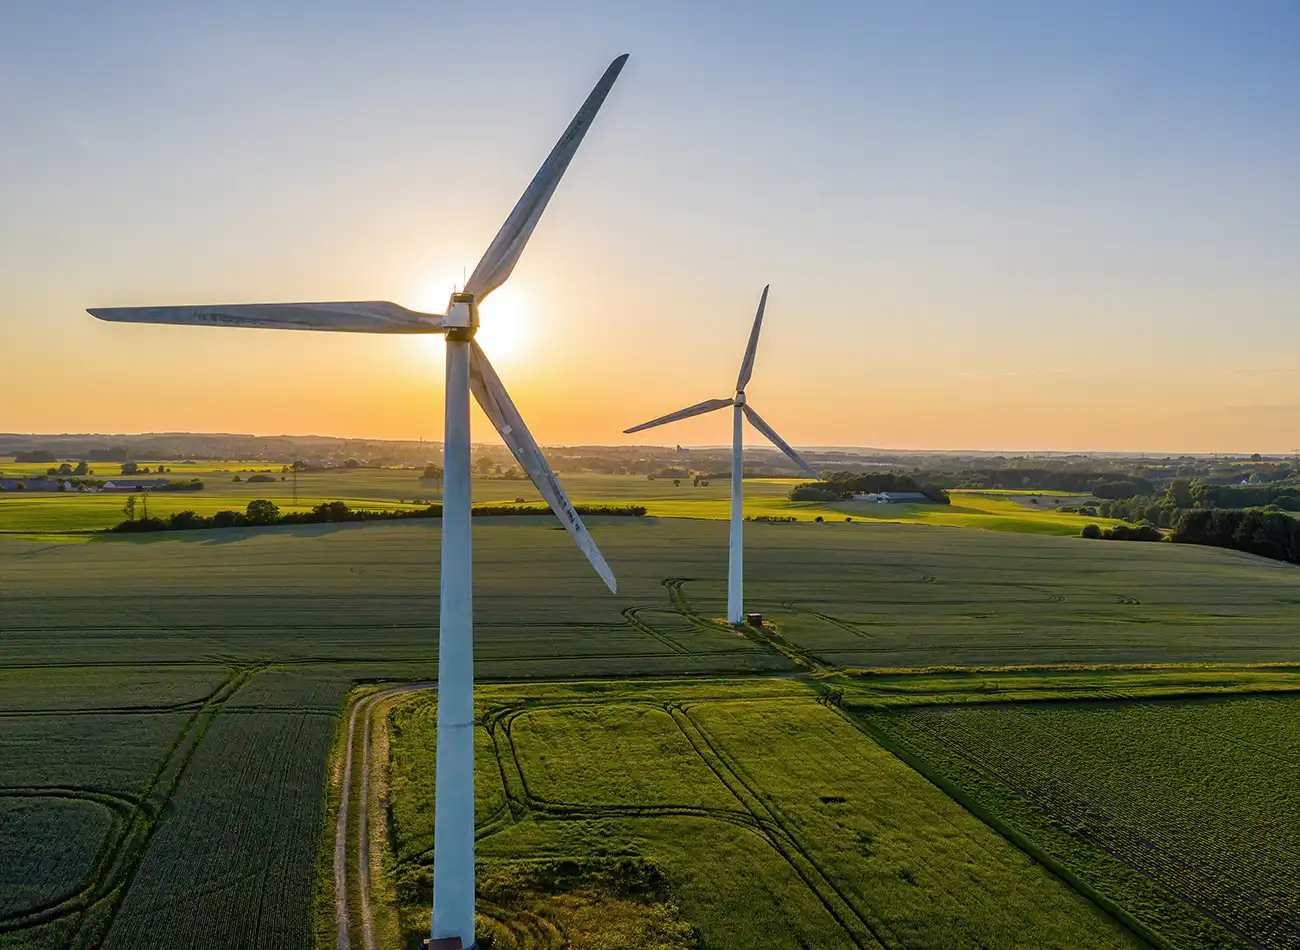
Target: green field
1184,813
169,705
58,513
774,822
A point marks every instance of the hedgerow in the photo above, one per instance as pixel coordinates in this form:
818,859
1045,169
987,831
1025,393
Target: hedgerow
263,513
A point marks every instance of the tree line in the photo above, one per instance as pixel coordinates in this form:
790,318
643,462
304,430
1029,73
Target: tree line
838,486
1270,534
261,513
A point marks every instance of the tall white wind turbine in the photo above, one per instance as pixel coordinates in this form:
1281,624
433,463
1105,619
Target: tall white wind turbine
468,370
741,408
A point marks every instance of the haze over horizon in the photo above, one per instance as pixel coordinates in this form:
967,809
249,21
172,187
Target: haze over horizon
1016,226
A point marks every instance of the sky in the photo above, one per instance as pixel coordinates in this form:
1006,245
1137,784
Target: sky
1007,225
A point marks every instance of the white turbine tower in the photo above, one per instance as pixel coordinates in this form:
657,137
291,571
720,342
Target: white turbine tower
741,408
468,370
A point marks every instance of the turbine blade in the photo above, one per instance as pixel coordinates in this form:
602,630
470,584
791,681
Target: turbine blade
747,364
757,422
698,409
496,403
366,316
506,247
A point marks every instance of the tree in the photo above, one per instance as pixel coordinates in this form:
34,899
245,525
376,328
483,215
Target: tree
236,479
432,473
811,493
1256,457
262,511
482,465
1119,488
677,483
351,463
1179,494
188,518
1091,531
227,519
130,468
65,469
128,508
82,468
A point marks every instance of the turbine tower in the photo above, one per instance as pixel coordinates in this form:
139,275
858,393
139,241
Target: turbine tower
741,409
468,370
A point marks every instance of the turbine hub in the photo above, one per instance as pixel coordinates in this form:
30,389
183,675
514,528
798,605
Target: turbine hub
461,320
740,397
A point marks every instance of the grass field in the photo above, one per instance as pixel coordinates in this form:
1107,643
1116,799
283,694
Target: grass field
52,514
168,706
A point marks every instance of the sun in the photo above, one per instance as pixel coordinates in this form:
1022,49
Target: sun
507,324
507,321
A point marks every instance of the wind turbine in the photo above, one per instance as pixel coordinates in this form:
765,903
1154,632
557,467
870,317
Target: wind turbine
741,409
468,370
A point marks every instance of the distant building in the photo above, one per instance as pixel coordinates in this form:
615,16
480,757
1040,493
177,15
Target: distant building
899,497
891,497
29,484
128,484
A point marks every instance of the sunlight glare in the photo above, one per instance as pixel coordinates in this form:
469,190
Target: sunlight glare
508,320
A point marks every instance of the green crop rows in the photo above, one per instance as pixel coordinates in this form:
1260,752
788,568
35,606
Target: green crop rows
1184,812
168,705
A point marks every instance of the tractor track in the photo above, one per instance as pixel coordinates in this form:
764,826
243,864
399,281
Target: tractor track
135,820
520,801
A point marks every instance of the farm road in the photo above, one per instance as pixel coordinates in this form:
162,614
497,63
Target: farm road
365,706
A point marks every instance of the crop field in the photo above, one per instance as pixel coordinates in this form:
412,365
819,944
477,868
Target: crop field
56,513
1186,813
773,820
168,705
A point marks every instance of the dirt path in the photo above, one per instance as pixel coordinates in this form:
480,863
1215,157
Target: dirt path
341,917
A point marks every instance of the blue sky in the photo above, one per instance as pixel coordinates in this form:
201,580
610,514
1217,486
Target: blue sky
1002,225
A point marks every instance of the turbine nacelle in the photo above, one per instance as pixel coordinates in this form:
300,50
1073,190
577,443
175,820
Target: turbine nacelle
739,399
461,320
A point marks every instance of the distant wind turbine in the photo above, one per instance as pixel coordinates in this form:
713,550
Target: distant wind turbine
468,370
736,554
